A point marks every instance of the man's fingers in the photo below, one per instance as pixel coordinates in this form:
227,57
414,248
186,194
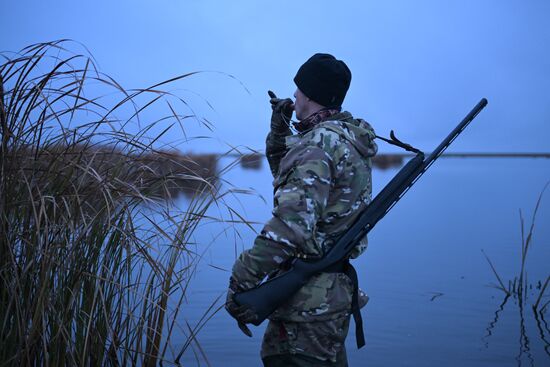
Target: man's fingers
244,329
281,104
243,311
248,317
245,314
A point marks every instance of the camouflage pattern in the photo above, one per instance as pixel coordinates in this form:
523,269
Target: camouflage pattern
319,340
276,149
322,182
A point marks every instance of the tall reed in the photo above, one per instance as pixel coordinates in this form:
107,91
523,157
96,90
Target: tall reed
519,285
93,263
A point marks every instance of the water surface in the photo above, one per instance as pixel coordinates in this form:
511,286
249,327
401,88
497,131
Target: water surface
431,301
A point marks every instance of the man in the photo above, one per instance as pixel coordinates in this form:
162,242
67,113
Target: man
322,180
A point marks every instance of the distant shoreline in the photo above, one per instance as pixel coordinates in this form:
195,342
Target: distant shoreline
480,155
448,155
496,155
390,160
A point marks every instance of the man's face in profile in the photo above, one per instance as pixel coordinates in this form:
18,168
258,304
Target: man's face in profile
300,104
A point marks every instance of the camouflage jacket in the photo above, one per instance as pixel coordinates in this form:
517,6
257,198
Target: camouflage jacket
322,180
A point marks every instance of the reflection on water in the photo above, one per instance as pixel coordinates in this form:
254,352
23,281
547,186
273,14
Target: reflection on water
494,321
538,321
542,325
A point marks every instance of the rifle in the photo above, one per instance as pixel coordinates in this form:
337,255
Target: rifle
264,299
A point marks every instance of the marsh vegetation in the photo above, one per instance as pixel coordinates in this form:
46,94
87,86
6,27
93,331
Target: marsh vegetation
94,261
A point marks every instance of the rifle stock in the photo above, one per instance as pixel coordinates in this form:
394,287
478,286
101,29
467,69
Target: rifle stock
271,294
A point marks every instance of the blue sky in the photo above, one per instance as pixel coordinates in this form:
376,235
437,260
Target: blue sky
418,66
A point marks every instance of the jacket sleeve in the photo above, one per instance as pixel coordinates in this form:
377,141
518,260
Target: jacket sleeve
275,150
299,200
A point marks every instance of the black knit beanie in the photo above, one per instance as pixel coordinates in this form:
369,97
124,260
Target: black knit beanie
324,79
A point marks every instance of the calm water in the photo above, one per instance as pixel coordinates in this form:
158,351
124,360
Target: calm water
431,301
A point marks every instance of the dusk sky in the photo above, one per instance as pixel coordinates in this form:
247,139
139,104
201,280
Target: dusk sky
418,66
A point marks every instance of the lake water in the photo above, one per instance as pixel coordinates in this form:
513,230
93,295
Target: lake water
431,303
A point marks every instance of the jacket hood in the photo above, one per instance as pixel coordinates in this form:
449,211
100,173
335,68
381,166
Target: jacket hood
357,131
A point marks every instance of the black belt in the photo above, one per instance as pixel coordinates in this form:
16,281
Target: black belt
348,269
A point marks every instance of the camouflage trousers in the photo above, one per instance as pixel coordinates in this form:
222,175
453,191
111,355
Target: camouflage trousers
320,343
298,360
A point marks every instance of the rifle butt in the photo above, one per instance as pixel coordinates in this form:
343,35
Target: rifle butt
270,295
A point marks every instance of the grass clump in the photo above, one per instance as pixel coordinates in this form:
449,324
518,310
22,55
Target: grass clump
518,289
93,263
519,286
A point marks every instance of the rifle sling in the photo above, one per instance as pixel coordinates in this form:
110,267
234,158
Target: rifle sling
345,267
